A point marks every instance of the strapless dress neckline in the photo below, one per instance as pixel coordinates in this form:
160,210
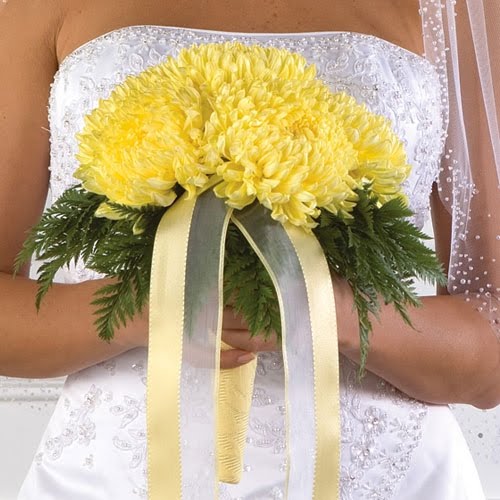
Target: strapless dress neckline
75,52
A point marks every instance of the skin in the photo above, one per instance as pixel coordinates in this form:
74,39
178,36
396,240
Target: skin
449,358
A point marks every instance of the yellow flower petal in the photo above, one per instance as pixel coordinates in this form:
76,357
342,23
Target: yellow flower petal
255,116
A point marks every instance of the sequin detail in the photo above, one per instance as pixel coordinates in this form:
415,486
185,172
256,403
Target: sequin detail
80,427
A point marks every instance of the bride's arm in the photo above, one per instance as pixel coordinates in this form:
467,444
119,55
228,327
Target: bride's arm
452,355
61,338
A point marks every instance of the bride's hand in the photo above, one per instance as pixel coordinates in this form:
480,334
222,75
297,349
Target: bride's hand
235,333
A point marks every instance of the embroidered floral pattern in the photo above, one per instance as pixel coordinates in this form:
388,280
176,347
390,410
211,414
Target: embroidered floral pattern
80,427
377,446
129,410
132,436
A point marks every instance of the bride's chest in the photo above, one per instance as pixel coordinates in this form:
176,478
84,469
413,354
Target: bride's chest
390,80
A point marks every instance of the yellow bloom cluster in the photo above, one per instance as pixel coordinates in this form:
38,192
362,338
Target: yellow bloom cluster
254,121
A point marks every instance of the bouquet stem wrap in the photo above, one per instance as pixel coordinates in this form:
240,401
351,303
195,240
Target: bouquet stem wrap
234,402
185,342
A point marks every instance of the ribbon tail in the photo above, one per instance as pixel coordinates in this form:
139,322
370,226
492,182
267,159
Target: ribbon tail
298,268
184,345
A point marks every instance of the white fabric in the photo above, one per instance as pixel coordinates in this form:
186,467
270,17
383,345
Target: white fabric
393,447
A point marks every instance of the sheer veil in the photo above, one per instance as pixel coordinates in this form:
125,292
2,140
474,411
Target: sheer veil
460,38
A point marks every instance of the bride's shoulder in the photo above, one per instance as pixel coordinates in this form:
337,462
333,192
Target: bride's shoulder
84,20
398,22
29,23
47,12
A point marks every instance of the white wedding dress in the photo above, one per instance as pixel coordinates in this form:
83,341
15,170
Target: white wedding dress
393,447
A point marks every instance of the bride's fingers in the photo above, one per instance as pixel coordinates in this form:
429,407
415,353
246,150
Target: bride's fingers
241,339
234,358
232,320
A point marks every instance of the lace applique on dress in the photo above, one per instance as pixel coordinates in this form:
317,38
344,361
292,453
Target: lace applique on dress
131,436
374,440
79,429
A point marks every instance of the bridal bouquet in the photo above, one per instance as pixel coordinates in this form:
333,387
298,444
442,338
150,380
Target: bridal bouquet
255,126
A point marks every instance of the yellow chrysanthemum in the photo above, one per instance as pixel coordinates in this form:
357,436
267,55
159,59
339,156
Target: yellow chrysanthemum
381,158
256,118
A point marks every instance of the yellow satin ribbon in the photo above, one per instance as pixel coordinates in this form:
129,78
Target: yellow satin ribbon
165,362
166,328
